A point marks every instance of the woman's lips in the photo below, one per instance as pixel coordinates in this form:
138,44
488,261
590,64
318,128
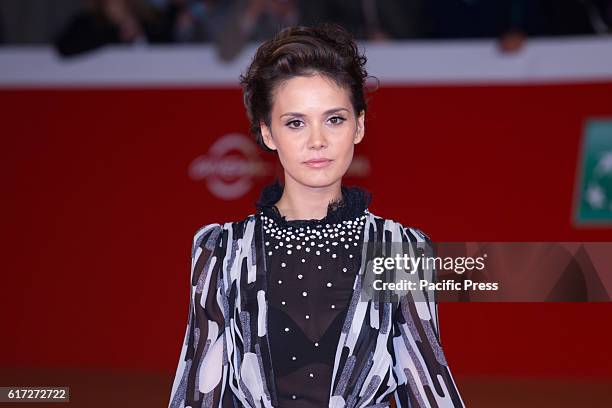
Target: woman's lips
318,163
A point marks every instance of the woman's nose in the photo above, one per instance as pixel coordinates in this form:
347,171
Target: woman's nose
317,139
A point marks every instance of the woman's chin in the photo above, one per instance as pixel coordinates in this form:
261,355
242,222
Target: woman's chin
318,180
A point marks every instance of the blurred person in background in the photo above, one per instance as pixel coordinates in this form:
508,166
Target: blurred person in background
2,35
103,22
253,21
374,20
571,17
33,21
546,18
513,21
195,20
475,18
371,19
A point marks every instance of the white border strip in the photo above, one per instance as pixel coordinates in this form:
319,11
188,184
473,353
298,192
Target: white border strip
550,60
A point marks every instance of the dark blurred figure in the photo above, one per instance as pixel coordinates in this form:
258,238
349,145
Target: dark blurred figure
103,22
605,8
257,20
195,20
477,18
247,21
2,34
570,17
371,19
513,21
547,18
33,21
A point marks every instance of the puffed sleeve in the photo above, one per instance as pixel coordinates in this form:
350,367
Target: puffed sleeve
424,377
200,375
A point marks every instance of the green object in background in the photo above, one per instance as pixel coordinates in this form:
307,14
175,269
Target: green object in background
594,198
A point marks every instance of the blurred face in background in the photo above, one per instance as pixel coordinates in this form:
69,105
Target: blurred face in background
314,129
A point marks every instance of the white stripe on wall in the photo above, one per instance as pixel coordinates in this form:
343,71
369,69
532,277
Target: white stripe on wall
542,60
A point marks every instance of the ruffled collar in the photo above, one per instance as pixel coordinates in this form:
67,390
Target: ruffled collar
355,200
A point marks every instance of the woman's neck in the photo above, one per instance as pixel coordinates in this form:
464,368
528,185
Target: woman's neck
300,202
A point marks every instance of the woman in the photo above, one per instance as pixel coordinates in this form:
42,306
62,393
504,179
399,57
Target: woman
276,318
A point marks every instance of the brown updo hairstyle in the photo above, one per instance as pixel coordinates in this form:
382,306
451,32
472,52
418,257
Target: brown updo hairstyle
326,48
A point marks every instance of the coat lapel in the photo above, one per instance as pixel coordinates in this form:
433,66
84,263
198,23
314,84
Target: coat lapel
352,325
253,289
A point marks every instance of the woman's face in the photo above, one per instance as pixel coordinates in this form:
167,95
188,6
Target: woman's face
312,118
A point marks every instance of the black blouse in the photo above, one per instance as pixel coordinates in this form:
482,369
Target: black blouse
312,266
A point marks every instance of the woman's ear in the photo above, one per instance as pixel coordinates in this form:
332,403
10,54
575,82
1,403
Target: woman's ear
360,131
266,135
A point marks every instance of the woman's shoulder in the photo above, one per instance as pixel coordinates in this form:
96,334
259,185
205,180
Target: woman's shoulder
412,232
216,227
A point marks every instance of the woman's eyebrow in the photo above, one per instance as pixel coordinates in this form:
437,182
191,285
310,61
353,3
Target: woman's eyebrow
300,115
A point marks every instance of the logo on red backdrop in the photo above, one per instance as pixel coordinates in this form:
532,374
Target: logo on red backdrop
594,197
230,167
233,164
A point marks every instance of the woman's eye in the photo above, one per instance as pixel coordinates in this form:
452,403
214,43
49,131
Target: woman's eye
294,122
336,120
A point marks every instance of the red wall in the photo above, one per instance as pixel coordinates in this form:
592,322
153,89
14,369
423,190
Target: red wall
99,215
